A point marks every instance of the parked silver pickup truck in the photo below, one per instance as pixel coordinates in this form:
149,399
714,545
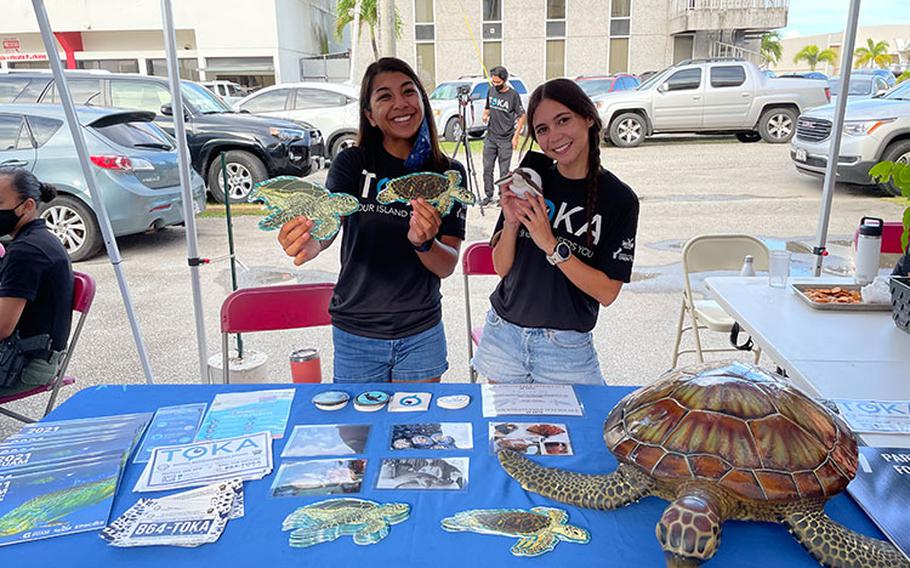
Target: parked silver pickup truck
711,96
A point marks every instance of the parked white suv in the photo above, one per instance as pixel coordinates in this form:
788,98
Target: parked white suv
711,96
875,130
229,91
333,108
444,100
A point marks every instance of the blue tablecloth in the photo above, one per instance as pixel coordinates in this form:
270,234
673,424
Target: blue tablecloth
624,537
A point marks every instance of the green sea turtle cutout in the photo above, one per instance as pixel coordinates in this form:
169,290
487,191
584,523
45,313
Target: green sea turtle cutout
538,531
439,190
287,197
368,521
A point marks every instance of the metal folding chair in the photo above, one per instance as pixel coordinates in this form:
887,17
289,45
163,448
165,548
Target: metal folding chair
706,253
273,308
83,296
477,260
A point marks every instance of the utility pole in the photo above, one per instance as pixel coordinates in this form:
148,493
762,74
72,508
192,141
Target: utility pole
386,17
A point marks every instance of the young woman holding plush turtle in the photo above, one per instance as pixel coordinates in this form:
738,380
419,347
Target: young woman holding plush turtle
561,255
386,310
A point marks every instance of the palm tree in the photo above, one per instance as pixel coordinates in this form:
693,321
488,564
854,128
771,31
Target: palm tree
369,14
813,56
873,54
771,48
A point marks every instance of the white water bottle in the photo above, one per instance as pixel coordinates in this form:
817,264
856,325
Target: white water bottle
868,249
748,268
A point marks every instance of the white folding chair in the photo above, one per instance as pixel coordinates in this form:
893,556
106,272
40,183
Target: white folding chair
705,253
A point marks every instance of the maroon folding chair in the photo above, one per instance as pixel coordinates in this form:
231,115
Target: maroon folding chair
477,260
273,308
83,295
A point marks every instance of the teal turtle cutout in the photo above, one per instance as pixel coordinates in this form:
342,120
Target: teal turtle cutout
439,190
367,521
287,197
538,531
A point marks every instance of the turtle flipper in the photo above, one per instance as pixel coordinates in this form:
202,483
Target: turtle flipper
372,532
386,196
325,228
833,544
302,538
535,545
607,491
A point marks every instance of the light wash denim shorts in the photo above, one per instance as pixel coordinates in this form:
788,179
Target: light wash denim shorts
418,357
512,354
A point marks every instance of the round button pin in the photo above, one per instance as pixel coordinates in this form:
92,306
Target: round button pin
371,401
453,402
331,400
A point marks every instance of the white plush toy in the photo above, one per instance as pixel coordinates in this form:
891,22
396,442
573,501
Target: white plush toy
523,182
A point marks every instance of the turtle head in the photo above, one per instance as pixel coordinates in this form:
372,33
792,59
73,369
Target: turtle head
347,204
454,177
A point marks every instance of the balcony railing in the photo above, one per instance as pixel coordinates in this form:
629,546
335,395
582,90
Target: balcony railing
682,7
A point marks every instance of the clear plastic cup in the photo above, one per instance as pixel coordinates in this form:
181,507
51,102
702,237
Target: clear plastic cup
778,268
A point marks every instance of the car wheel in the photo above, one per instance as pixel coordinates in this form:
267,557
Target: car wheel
244,170
898,152
343,142
777,125
74,224
627,130
453,129
748,137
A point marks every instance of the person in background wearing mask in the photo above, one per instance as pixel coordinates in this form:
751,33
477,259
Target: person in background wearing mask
504,117
36,282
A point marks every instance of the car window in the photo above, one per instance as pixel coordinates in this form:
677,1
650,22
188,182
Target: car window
142,95
21,89
84,91
728,76
268,102
594,87
43,128
684,80
144,135
318,98
900,92
447,91
480,90
519,86
202,99
235,91
12,133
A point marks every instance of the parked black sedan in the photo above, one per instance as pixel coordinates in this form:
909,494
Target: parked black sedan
255,147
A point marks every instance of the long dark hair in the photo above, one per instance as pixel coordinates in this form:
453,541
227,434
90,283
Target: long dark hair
369,137
569,94
28,186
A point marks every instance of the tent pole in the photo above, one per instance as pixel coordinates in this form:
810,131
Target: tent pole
192,248
104,223
837,131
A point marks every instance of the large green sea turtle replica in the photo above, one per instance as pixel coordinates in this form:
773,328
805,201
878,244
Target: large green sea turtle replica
287,197
538,531
440,191
722,441
327,520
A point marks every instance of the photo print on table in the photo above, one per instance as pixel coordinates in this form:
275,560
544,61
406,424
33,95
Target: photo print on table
419,473
318,477
432,436
326,440
531,438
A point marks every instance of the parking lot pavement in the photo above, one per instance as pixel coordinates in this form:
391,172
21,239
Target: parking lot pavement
686,186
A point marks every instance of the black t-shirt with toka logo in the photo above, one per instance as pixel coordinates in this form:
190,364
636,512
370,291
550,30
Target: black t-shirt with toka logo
537,294
383,289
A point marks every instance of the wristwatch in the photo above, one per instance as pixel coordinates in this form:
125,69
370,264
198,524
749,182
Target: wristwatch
426,246
561,253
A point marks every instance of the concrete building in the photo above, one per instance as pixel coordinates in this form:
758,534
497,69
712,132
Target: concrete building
252,42
541,39
897,36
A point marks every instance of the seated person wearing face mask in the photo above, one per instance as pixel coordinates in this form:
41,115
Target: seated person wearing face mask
36,286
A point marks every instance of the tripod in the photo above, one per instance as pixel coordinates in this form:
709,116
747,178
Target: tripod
464,102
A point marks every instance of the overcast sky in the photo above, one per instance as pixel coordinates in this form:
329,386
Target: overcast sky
810,17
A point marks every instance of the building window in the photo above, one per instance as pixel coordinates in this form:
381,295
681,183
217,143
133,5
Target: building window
424,35
620,30
492,54
112,65
492,33
556,42
188,68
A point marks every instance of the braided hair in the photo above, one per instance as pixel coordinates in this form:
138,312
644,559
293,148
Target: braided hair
569,94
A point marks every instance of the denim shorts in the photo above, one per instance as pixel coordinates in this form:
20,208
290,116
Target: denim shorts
360,359
512,354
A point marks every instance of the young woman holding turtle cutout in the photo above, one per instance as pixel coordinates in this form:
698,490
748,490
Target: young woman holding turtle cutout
561,255
386,310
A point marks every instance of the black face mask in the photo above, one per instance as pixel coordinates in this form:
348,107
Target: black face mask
501,88
9,219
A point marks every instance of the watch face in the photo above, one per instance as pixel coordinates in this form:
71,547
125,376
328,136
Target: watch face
563,250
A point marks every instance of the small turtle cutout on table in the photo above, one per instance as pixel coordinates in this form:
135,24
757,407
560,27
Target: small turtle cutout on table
288,197
367,521
538,531
439,190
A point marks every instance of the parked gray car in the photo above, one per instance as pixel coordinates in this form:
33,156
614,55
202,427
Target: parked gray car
711,96
134,160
